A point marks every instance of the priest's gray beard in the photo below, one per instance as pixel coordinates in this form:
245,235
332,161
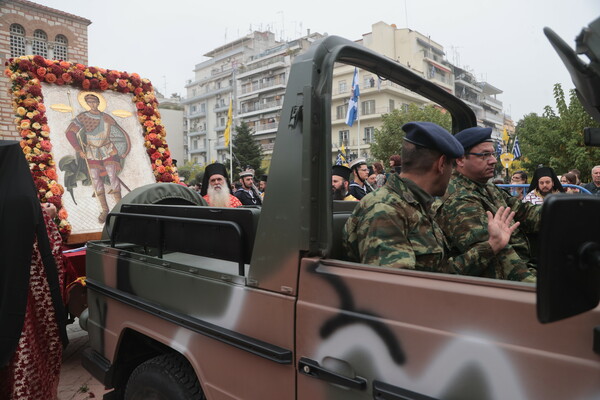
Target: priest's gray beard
218,197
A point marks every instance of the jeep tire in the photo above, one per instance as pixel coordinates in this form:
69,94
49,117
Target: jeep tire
165,377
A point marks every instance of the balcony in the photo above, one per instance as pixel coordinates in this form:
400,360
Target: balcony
197,133
220,145
199,150
497,119
221,107
265,128
261,66
491,102
196,114
248,110
220,128
267,147
259,87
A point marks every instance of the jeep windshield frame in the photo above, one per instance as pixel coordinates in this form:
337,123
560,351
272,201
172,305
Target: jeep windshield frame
296,217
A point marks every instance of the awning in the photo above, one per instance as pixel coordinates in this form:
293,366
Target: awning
438,65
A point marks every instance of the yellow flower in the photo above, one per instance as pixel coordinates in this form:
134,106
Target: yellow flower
31,135
161,150
26,149
36,151
30,114
44,133
158,163
42,166
49,194
36,125
21,111
88,73
25,124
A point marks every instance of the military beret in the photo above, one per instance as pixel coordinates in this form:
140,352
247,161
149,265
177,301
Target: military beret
433,136
341,170
471,137
357,162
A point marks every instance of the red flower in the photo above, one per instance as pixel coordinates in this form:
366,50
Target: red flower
140,105
94,83
50,78
56,201
39,60
40,72
59,81
35,90
80,67
67,78
138,91
25,65
93,70
77,75
149,111
103,84
85,84
124,75
166,177
56,70
40,184
155,156
111,78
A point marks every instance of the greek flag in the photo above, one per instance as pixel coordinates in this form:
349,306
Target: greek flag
516,149
499,149
352,114
341,160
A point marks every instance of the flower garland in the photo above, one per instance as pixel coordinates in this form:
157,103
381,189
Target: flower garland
28,72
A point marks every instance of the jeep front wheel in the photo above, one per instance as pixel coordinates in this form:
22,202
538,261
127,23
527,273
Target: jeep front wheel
165,377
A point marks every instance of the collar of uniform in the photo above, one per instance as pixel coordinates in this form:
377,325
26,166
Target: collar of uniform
410,191
464,181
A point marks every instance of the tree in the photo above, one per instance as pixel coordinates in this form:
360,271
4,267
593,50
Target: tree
555,139
246,151
191,172
388,139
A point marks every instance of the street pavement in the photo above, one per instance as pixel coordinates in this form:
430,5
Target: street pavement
75,382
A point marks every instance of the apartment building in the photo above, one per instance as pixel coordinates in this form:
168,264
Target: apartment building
27,28
415,51
251,71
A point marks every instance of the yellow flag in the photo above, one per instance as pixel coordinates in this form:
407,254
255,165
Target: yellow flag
227,133
505,136
343,149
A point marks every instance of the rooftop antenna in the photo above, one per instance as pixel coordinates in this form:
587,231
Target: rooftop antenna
406,13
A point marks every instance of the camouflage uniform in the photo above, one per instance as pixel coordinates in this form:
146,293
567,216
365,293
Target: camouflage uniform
461,215
394,227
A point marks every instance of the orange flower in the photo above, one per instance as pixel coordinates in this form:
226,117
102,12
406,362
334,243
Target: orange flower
50,78
64,64
41,71
85,84
51,173
149,123
103,84
62,214
41,107
67,77
161,169
56,190
80,67
49,62
25,124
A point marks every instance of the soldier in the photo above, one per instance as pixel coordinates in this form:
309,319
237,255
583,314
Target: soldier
461,212
339,183
394,226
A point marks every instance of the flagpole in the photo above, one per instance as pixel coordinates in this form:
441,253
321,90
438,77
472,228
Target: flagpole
231,141
358,115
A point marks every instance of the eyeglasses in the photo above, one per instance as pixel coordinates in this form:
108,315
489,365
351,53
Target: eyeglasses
484,156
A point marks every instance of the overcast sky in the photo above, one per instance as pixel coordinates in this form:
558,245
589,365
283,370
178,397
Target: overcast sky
499,41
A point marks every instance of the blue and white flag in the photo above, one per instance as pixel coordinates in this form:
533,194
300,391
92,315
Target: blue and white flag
516,149
499,149
341,160
352,114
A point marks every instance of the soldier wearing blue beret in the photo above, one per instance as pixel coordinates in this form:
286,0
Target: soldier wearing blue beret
470,196
394,226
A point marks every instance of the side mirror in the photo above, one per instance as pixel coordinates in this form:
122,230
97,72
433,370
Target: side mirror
569,260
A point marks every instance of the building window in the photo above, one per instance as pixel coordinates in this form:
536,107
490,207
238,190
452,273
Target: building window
60,47
392,105
369,134
344,135
40,43
368,107
341,111
342,87
17,40
405,107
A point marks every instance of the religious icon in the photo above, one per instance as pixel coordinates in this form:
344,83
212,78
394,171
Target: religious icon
99,140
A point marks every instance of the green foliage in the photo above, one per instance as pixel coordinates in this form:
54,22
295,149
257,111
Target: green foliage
191,172
388,139
246,152
555,139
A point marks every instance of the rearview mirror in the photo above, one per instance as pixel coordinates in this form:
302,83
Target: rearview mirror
569,260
